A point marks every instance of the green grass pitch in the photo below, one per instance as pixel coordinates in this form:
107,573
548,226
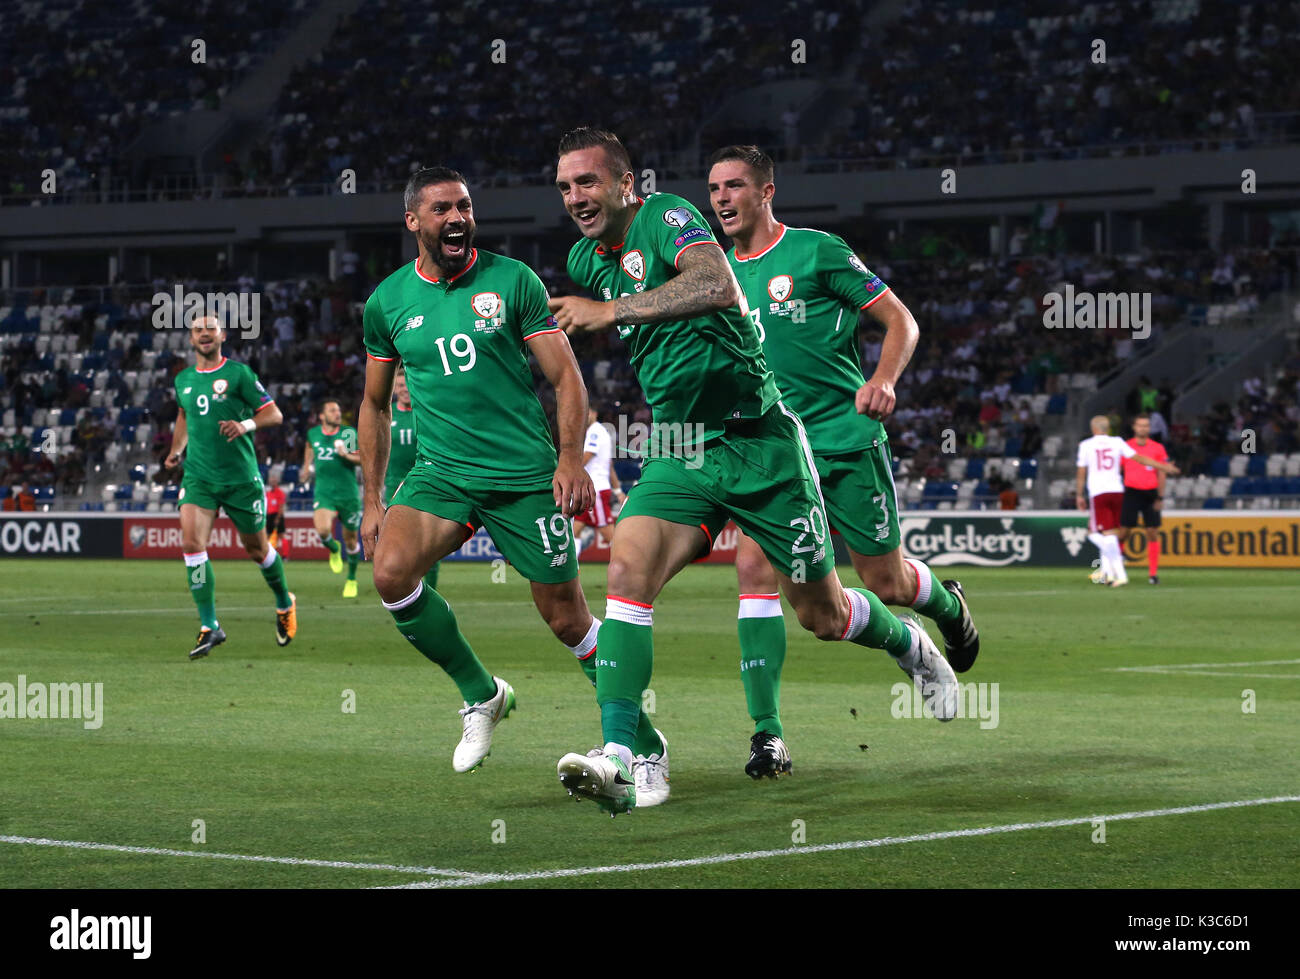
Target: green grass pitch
254,742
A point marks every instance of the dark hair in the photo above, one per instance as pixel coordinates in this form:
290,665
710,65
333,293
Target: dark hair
426,178
1140,416
328,401
751,156
588,137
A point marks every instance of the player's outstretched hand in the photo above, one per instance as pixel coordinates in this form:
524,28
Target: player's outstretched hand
172,461
231,429
573,314
875,399
371,519
574,493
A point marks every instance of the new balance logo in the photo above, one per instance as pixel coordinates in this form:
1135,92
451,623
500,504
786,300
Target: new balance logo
414,322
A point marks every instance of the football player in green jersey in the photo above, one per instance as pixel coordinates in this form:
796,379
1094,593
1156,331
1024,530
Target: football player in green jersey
221,403
401,455
739,453
805,289
463,322
331,452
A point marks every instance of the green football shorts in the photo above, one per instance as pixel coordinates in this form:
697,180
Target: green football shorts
760,474
526,525
244,503
860,499
349,510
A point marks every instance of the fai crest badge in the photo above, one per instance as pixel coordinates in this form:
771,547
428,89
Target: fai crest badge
634,265
219,386
486,304
779,287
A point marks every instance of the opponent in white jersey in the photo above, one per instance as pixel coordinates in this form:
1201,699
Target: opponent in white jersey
1100,466
598,460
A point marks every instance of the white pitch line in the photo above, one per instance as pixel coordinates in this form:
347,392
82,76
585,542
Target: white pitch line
487,878
244,857
1197,669
1197,666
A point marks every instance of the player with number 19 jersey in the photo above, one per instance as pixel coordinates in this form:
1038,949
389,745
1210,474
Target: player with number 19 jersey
477,416
484,453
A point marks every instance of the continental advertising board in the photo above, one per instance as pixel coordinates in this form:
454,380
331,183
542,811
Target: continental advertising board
942,538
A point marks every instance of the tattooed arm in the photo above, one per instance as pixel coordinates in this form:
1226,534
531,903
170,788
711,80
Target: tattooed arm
705,285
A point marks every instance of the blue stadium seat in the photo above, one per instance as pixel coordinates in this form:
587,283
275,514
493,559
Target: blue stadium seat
128,433
1219,466
1258,465
5,490
137,474
1028,468
1056,405
290,474
123,492
1013,447
1241,486
975,468
170,493
44,494
1213,503
629,470
263,469
937,490
982,488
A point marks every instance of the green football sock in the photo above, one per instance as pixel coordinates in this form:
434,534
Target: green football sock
624,661
354,558
429,624
431,577
330,543
198,574
646,741
762,654
932,599
273,572
872,624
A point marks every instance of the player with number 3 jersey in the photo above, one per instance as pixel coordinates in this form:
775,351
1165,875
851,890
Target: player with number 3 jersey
805,289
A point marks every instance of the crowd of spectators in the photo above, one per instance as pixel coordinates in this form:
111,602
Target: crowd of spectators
978,383
1263,419
80,79
387,91
1034,85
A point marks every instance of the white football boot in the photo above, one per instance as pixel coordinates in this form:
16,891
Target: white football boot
651,775
480,721
602,778
931,673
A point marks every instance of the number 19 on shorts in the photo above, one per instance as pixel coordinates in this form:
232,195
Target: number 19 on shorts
555,531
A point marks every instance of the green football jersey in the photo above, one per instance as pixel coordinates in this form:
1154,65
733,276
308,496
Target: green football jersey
477,418
401,457
697,372
229,391
805,291
336,478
